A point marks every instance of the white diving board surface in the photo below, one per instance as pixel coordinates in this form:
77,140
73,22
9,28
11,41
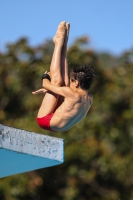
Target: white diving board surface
23,151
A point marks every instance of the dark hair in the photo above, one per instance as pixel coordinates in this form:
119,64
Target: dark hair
84,75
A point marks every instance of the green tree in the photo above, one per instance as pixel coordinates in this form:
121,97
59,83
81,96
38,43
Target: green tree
98,150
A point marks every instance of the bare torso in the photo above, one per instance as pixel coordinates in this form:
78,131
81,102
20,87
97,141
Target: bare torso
71,111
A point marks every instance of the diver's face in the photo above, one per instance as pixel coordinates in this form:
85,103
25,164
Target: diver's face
74,84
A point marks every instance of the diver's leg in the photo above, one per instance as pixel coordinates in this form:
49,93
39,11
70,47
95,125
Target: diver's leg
64,64
50,100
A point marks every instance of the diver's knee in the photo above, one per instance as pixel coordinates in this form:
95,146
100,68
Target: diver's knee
56,80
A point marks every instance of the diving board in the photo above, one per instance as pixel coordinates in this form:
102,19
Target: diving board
23,151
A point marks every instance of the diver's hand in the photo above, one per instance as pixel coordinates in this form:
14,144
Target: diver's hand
42,90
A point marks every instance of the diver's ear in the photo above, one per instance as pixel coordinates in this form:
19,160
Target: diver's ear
76,83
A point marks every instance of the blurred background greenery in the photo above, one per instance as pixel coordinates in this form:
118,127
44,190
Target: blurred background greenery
98,150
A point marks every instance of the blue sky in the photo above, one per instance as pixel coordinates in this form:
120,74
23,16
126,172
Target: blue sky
108,23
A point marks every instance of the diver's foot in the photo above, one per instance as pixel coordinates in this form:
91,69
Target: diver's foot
60,34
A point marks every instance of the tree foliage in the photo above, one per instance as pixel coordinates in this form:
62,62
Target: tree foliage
98,150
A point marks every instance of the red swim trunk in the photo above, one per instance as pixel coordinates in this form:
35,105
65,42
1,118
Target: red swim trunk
44,122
